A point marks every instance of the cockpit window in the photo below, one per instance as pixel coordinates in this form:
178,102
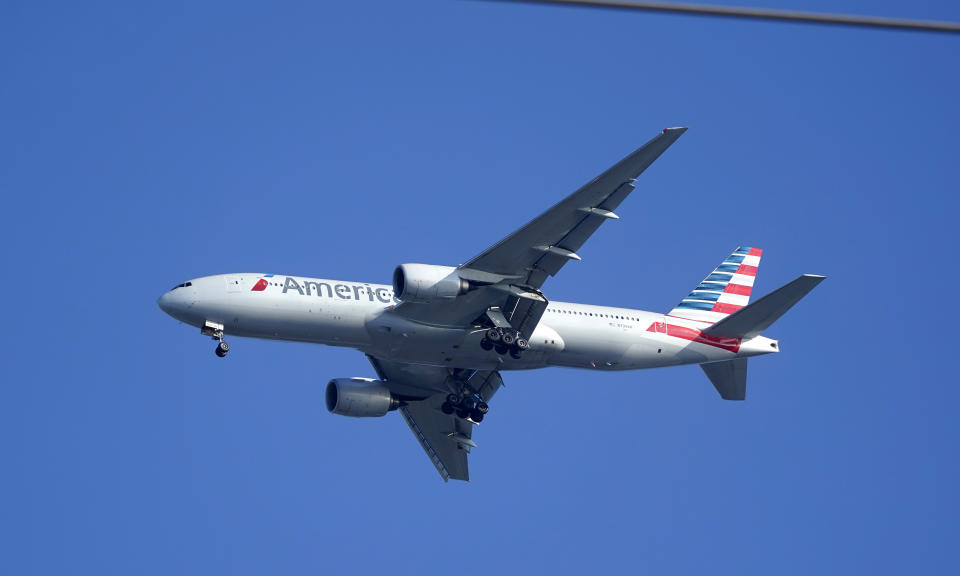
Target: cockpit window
184,285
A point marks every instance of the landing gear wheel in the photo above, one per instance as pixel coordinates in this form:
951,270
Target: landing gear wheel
482,407
447,408
463,413
508,338
453,399
501,349
522,344
493,335
515,353
486,344
476,416
222,349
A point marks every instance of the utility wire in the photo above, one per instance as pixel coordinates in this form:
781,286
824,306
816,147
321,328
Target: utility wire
760,14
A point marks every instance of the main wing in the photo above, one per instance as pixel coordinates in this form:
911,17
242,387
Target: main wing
523,260
550,240
509,275
446,438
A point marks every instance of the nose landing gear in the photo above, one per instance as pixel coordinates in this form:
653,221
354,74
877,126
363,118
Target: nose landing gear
215,331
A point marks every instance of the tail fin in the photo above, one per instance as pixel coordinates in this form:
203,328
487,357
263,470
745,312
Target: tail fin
725,291
730,377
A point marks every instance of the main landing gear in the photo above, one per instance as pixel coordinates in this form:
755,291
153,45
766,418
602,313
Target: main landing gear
504,341
215,331
465,407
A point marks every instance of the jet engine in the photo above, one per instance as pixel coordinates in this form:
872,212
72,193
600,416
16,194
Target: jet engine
360,397
425,283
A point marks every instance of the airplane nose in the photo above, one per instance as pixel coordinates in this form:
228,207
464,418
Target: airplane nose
179,302
164,302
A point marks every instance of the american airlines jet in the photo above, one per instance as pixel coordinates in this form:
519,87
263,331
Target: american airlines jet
440,337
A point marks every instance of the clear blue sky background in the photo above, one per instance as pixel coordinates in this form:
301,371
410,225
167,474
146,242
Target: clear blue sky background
145,145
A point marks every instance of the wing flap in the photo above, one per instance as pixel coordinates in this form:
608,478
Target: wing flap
424,443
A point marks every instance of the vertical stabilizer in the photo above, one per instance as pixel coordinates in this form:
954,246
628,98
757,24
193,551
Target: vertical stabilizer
723,292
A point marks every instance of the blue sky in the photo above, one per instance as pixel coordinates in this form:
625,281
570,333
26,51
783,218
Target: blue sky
146,145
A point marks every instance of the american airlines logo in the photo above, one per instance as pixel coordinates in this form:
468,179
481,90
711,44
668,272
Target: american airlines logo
261,284
342,290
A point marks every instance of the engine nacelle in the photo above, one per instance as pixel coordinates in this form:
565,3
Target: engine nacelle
425,283
360,397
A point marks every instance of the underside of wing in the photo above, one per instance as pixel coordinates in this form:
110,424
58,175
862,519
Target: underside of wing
445,438
545,244
444,432
509,275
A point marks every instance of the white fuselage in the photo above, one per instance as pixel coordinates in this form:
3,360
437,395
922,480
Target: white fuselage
360,315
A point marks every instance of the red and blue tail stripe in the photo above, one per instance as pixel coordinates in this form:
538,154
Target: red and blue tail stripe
726,290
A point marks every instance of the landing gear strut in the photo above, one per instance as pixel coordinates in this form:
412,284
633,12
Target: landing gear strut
215,331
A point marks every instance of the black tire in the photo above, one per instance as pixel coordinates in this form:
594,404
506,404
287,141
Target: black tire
453,399
514,353
486,344
463,413
447,408
223,347
502,349
219,352
482,407
476,416
508,338
522,344
493,335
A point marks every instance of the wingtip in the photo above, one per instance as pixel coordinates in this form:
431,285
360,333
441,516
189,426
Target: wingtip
678,129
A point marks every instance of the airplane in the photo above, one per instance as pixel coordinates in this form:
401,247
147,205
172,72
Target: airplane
439,337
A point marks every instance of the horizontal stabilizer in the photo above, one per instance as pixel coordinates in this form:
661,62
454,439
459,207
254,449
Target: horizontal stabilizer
757,317
729,378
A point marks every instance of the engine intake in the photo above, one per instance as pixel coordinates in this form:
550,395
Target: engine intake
360,398
425,283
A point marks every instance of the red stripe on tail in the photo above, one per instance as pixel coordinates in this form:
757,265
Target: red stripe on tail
693,335
738,289
725,308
